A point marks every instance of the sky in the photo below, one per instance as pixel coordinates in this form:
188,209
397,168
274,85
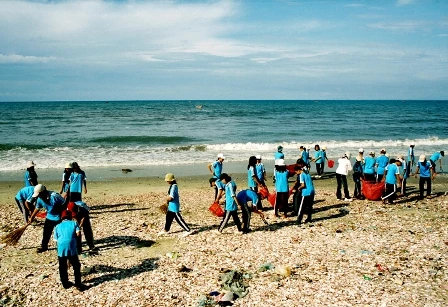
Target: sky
210,50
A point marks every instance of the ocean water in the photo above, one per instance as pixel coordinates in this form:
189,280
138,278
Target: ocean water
145,133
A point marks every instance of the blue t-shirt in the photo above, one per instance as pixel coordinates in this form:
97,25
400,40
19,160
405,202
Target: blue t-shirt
28,177
246,196
25,193
381,162
281,181
217,169
392,170
65,235
436,156
250,179
53,205
319,156
411,156
305,156
174,204
309,187
260,171
76,181
369,165
220,185
425,169
230,193
279,155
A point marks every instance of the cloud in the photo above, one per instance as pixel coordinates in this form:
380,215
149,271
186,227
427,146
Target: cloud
401,25
404,2
21,59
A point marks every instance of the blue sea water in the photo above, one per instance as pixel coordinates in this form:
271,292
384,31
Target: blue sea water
119,133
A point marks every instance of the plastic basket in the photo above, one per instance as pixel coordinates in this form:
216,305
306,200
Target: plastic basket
216,210
263,192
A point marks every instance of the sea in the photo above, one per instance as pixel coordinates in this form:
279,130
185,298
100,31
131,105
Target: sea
118,134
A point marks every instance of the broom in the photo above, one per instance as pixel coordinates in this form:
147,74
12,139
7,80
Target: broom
14,236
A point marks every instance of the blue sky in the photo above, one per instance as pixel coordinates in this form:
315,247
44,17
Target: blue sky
284,49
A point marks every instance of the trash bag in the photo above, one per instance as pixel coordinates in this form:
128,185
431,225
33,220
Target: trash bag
373,190
234,281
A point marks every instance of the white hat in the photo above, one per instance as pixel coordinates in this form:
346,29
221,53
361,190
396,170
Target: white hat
169,177
412,144
220,155
422,158
347,154
361,150
383,150
324,147
38,189
280,162
30,164
258,157
68,165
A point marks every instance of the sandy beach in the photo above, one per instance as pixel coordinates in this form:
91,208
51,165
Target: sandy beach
362,253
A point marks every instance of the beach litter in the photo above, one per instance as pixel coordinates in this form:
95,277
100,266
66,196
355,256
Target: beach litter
266,267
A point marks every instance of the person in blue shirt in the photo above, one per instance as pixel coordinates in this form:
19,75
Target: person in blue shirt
305,156
437,156
215,169
253,182
393,179
324,155
77,181
25,201
245,197
381,162
281,188
307,192
53,203
369,167
65,234
277,156
426,171
30,176
319,159
404,174
410,161
80,212
231,208
261,170
173,211
219,188
357,177
66,177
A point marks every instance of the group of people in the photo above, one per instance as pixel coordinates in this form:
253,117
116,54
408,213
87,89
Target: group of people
65,215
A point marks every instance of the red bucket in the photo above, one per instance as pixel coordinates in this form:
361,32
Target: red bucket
330,163
216,210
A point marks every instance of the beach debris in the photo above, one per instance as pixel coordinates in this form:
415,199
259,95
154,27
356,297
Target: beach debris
266,267
366,277
283,270
233,281
184,269
126,170
173,255
381,268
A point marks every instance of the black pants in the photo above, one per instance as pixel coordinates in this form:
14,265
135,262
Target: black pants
379,177
357,179
369,177
226,218
306,208
281,202
49,225
75,196
83,215
408,169
296,200
421,185
25,212
403,186
246,210
342,181
170,216
74,261
391,192
319,168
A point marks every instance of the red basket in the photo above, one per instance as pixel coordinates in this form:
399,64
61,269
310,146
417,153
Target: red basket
41,215
263,192
373,190
330,163
216,210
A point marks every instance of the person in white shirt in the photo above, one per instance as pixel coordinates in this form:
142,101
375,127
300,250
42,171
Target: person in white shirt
344,166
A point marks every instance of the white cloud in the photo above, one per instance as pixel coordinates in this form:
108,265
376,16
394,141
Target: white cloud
404,2
401,25
17,58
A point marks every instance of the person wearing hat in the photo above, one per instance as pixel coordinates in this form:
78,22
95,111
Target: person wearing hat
173,211
426,171
245,198
361,155
357,177
393,179
25,201
381,162
410,161
66,234
306,191
277,156
215,169
369,167
66,177
437,156
261,170
232,204
344,166
319,160
77,179
324,155
403,173
30,175
53,203
281,188
80,213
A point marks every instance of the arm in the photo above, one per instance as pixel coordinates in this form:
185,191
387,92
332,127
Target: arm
219,195
210,168
33,215
417,171
85,186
